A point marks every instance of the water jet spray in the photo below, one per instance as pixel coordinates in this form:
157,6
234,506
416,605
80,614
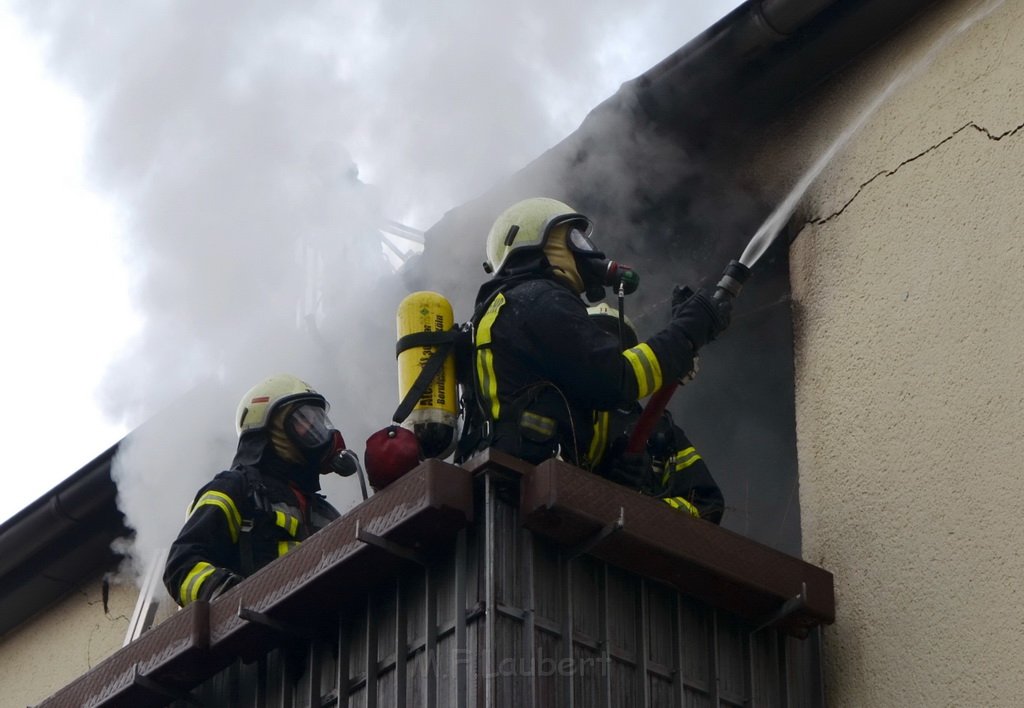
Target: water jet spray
769,230
728,288
738,272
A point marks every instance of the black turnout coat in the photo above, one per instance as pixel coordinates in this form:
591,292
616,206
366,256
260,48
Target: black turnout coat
239,522
542,367
672,468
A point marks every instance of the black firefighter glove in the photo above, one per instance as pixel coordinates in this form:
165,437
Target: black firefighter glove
700,315
630,469
230,580
345,463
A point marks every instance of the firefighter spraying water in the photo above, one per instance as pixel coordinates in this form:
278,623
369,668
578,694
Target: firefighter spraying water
533,367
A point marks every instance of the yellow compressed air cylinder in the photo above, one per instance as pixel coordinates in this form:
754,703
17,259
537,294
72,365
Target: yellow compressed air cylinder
433,419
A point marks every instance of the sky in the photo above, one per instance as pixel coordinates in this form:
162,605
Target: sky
191,195
65,302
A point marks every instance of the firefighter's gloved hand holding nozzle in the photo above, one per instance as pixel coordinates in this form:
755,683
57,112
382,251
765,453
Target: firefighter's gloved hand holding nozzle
700,315
706,314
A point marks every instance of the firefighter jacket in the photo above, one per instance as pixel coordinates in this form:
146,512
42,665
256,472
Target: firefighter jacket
242,520
542,367
672,469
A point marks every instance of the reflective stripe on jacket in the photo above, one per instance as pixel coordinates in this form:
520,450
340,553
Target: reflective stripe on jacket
209,547
678,473
542,367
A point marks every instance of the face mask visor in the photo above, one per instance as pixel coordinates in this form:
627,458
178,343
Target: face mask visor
309,427
580,244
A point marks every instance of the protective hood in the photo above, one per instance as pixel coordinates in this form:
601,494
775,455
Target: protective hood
251,447
562,260
255,450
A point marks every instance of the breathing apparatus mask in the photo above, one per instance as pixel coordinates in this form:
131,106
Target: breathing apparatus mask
318,441
598,272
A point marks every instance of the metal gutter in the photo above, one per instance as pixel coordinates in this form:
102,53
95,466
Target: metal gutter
705,77
753,63
47,548
65,507
750,28
745,68
787,16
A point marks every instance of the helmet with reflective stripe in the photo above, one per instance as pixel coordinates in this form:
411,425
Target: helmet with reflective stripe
526,226
259,403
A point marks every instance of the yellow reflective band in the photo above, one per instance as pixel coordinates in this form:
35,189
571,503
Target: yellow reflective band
227,505
680,504
597,443
189,590
485,359
542,425
680,461
646,369
684,459
284,547
287,522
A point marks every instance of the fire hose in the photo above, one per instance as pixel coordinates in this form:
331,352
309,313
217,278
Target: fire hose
728,287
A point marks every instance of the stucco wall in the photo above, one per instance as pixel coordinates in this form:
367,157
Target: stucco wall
63,642
908,286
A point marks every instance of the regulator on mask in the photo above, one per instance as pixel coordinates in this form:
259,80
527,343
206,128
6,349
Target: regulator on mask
598,274
597,271
320,443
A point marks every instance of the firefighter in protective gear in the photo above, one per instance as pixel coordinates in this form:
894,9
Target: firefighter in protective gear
269,501
670,466
541,366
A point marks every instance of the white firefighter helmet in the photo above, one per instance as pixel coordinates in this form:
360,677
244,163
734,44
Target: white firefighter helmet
260,402
526,225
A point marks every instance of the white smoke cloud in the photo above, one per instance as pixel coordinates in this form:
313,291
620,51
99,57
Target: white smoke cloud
241,140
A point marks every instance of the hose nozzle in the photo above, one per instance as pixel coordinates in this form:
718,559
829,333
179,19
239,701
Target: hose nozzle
733,278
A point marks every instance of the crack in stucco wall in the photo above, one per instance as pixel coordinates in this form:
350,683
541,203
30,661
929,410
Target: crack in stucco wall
98,629
970,125
97,644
